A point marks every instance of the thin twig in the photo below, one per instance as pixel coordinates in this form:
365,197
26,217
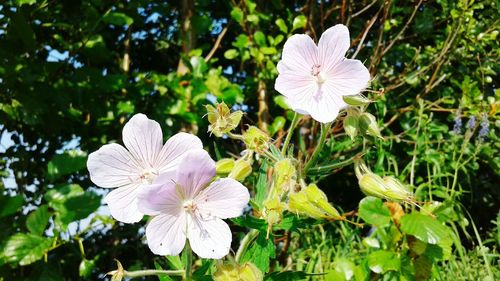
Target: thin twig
216,44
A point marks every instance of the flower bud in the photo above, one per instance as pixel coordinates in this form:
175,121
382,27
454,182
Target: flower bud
241,170
221,119
256,139
224,166
373,185
245,272
285,176
368,125
351,126
396,190
312,202
356,100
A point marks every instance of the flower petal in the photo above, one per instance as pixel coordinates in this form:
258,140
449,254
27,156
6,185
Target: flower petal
112,166
173,150
166,234
195,171
209,239
324,106
122,204
224,198
143,138
349,77
159,198
332,46
299,54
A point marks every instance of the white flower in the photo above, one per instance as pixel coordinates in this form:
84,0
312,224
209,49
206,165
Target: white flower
314,78
144,158
184,207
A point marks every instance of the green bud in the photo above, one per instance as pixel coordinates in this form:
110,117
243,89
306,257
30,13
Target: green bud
241,170
351,126
396,190
285,175
224,166
221,119
312,202
245,272
356,100
373,185
368,125
256,139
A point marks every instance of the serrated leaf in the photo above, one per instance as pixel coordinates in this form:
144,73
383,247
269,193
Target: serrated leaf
373,211
383,261
260,252
37,221
25,249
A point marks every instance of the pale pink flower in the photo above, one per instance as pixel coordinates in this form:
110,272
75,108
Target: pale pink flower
129,169
189,206
314,78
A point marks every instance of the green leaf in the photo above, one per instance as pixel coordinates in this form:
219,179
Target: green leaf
26,248
282,25
260,252
10,204
22,2
299,22
424,228
250,222
373,211
230,54
63,164
237,15
260,38
286,276
345,267
278,124
118,19
261,185
86,267
37,221
383,261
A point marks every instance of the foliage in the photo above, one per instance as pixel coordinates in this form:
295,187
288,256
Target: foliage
73,72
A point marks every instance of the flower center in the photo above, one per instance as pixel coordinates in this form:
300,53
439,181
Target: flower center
189,206
318,75
149,175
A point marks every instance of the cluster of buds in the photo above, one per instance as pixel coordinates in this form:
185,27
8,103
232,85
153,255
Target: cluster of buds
237,169
359,122
387,187
233,271
256,140
222,121
312,202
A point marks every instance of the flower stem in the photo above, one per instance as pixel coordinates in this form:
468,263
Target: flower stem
325,127
337,165
245,242
294,123
149,272
189,261
235,136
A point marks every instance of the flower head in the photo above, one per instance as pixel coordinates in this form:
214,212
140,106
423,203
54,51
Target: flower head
129,168
314,78
189,206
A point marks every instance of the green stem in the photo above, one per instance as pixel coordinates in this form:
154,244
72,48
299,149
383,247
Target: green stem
189,261
235,136
321,142
294,123
245,242
340,164
149,272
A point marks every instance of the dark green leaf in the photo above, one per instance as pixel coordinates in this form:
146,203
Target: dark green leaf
10,204
116,18
63,164
37,221
286,276
260,252
26,248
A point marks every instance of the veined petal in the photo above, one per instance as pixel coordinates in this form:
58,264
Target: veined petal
348,77
299,54
224,198
122,203
176,146
143,138
112,166
166,234
325,105
159,198
209,239
332,46
195,171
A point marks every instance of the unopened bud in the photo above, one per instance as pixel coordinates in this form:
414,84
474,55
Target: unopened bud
312,202
285,175
351,125
368,125
224,166
245,272
356,100
396,190
373,185
256,139
241,170
221,119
